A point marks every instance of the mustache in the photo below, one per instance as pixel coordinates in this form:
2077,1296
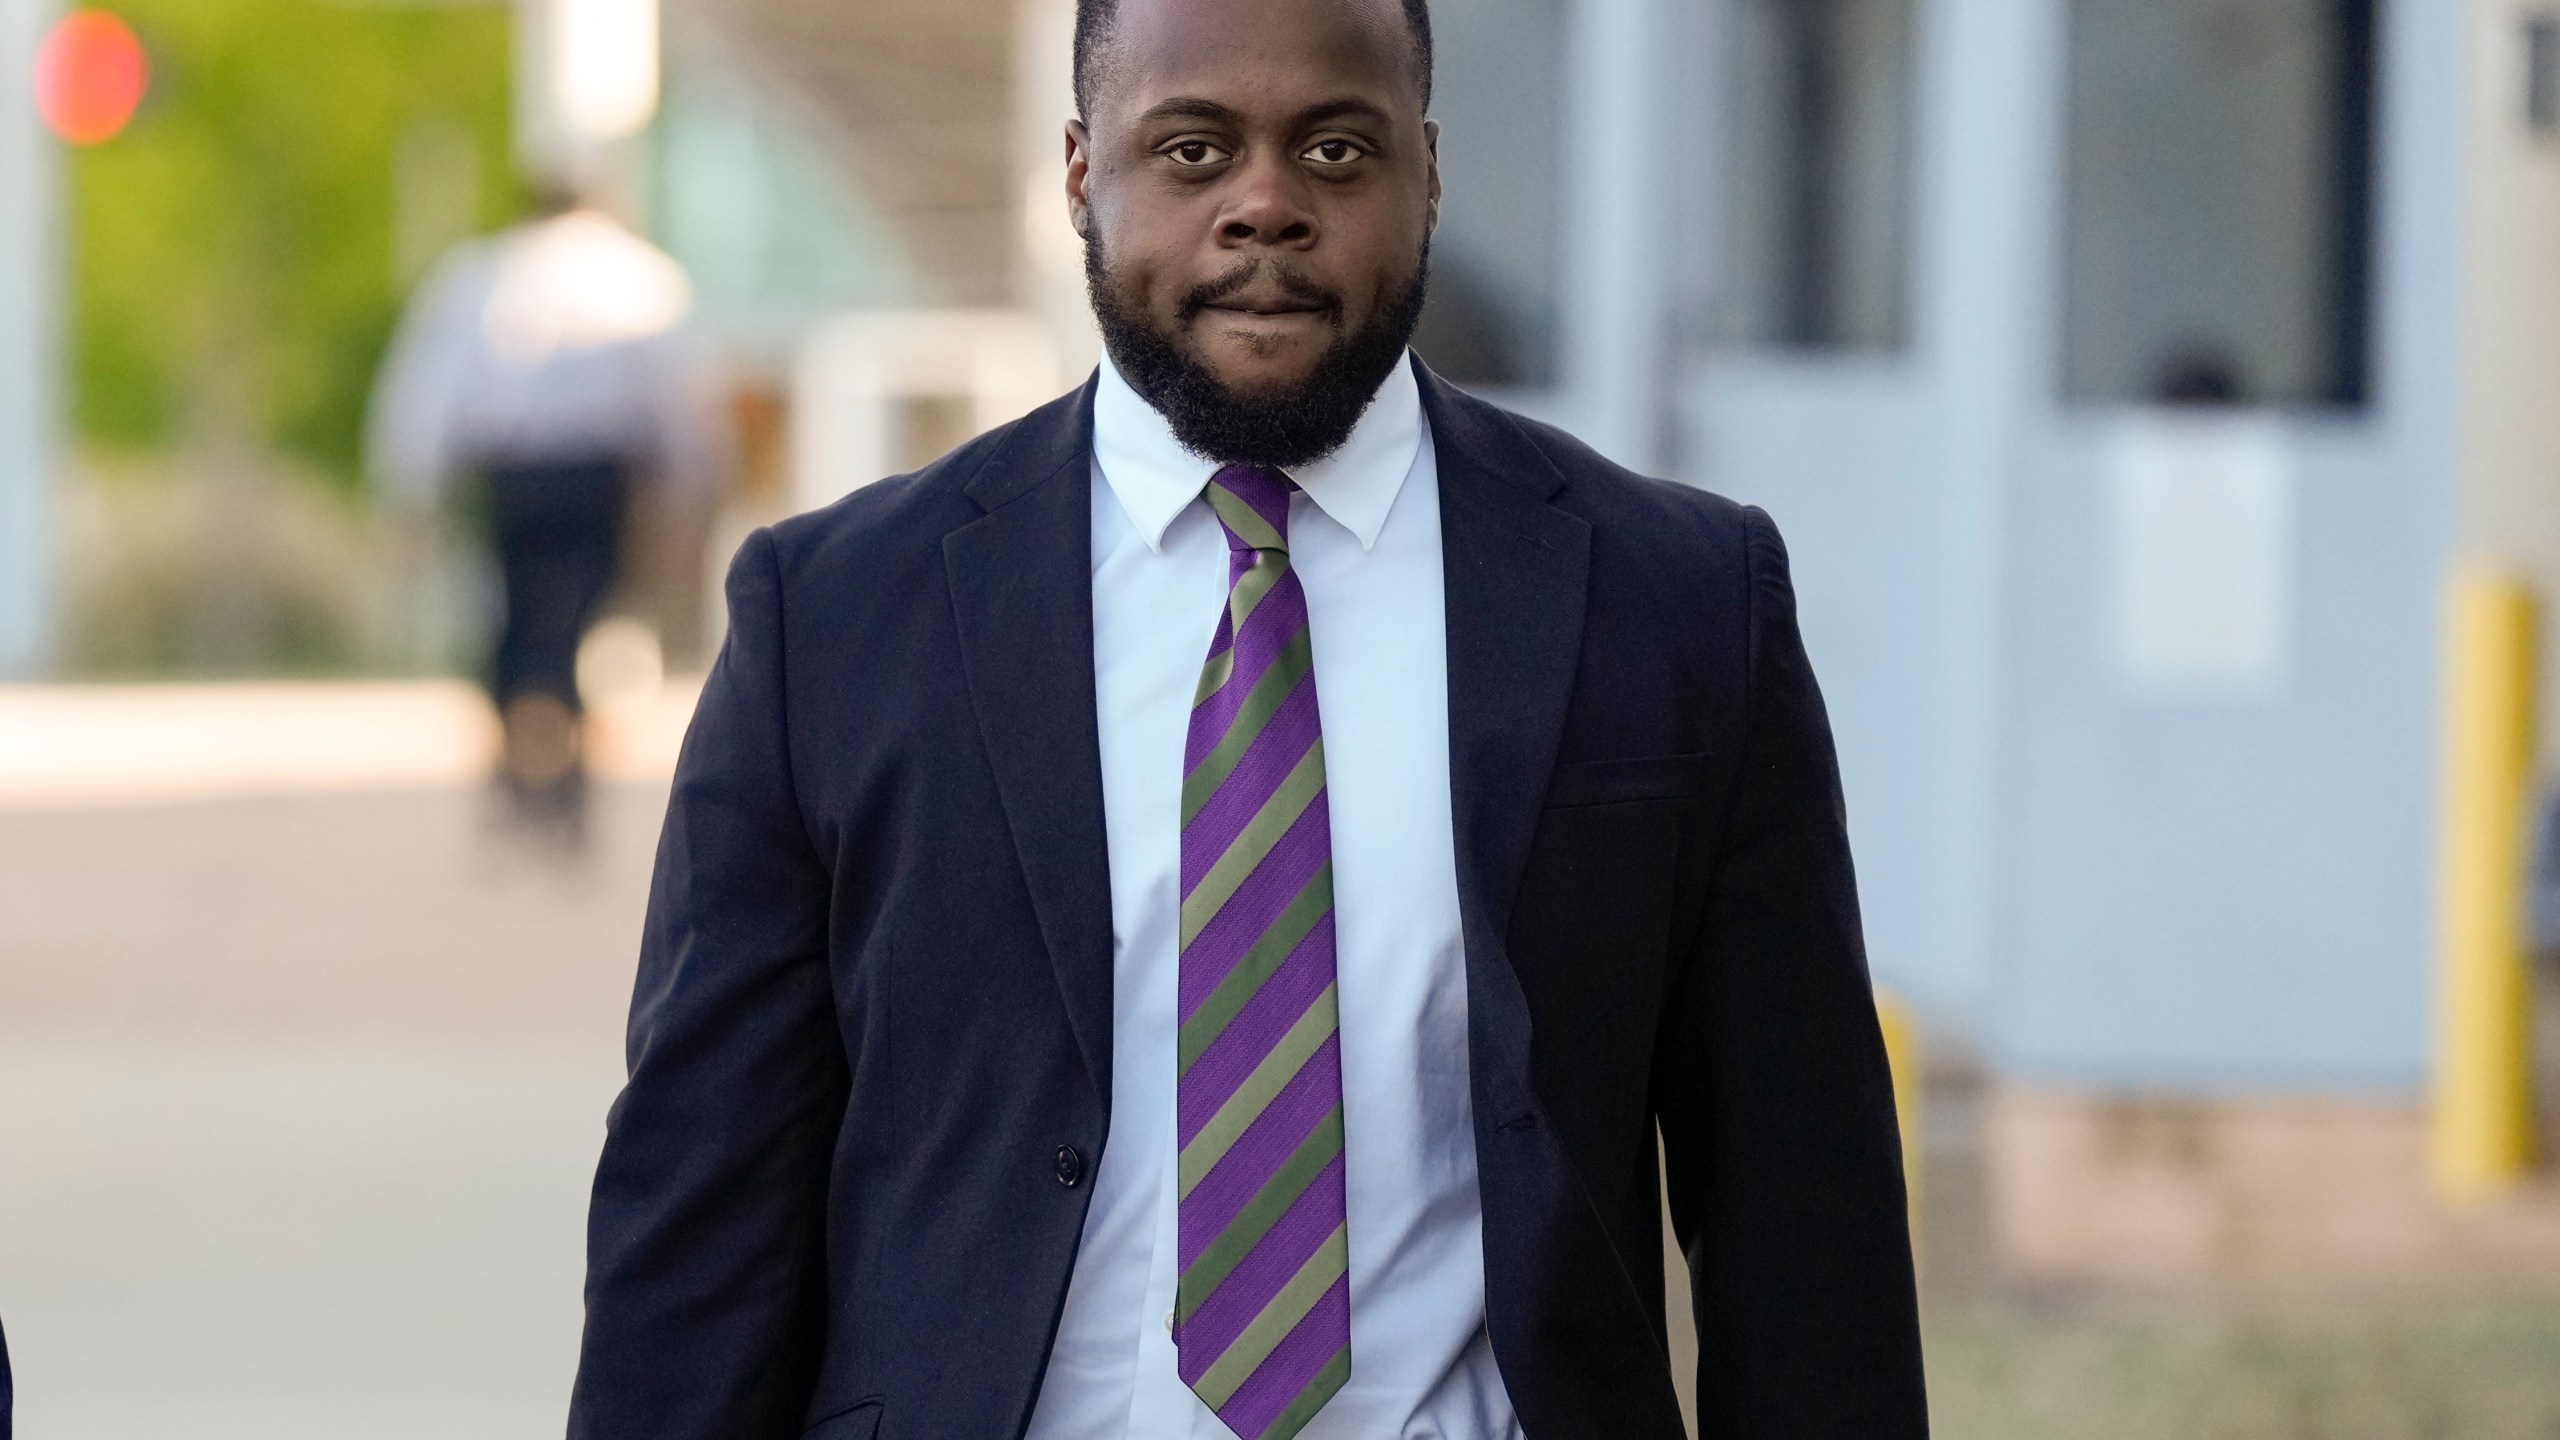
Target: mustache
1231,284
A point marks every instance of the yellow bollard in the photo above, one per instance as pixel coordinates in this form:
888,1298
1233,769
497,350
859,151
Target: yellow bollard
2483,1093
1902,1053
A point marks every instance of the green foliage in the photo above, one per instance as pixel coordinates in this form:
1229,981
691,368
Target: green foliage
236,246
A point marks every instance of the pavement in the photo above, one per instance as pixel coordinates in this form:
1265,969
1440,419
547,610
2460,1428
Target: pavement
302,1076
303,1070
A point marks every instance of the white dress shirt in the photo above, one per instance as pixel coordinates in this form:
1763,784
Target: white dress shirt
1364,538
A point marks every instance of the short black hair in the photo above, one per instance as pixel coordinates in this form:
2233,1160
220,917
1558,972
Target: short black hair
1093,26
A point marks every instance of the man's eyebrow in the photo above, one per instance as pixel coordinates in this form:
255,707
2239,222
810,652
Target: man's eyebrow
1185,107
1344,109
1191,107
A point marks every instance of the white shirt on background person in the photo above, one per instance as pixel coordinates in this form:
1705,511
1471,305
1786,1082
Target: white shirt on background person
565,339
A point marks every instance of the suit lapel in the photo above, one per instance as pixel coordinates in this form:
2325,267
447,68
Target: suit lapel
1022,594
1516,571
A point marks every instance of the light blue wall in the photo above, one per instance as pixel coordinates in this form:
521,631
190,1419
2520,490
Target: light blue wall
2097,890
1887,473
2219,899
1846,456
2238,900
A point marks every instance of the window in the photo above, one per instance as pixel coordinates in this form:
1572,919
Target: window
1818,174
2217,197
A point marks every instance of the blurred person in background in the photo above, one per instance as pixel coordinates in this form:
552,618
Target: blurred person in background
553,367
1054,1020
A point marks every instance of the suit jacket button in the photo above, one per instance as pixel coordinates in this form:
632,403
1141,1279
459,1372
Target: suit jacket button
1070,1166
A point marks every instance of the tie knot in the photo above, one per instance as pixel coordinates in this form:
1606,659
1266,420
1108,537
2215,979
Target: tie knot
1252,502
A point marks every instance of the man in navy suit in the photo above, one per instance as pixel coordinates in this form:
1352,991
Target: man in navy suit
1196,913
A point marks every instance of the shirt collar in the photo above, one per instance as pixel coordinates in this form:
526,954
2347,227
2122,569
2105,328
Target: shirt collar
1155,479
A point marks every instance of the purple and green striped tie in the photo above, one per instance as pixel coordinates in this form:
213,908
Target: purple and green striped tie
1262,1314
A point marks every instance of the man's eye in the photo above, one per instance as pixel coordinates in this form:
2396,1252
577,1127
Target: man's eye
1333,152
1195,152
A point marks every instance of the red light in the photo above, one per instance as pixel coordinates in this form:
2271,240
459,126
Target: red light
90,76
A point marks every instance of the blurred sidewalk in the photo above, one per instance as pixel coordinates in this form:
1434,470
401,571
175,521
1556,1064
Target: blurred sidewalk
301,1077
86,744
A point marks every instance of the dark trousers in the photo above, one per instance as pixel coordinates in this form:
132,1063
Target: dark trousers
557,530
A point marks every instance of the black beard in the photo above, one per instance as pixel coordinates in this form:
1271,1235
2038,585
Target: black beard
1282,428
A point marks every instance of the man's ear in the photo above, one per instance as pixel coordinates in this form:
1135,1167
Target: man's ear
1079,169
1431,150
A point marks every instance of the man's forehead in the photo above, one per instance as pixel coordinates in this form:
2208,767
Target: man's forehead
1257,52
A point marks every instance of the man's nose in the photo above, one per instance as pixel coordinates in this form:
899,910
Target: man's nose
1268,206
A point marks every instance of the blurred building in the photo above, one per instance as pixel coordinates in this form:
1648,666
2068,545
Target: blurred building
2127,376
26,345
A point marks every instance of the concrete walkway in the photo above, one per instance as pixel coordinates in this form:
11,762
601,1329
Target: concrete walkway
300,1094
301,1078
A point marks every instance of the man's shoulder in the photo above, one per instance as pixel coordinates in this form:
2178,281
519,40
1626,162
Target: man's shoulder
1623,507
900,521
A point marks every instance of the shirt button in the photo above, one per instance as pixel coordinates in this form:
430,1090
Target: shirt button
1070,1166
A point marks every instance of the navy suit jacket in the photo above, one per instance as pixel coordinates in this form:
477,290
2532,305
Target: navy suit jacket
870,1050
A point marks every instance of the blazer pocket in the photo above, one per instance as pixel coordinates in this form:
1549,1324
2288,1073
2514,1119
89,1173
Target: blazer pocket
1627,782
859,1423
